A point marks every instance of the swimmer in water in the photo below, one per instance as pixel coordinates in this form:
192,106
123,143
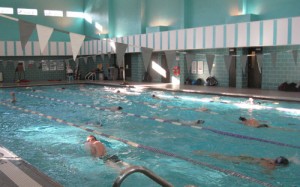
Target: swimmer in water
252,122
190,123
115,108
98,150
156,97
13,97
202,109
267,163
256,124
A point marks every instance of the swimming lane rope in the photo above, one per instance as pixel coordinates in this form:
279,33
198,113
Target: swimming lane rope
223,133
138,102
136,145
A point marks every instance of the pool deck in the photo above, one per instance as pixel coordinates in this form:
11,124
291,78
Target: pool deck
16,172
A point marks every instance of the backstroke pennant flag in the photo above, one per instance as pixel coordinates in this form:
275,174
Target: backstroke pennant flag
120,51
189,57
259,58
146,53
244,62
210,61
76,42
26,29
295,56
228,60
44,34
171,57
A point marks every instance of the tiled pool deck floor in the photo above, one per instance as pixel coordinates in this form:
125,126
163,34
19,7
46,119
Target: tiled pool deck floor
16,172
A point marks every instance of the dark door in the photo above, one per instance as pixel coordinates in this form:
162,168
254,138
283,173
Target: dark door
232,68
164,65
254,75
128,66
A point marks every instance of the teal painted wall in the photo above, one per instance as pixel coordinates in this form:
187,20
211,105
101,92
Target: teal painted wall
99,11
165,13
124,18
9,30
118,18
209,12
272,9
121,18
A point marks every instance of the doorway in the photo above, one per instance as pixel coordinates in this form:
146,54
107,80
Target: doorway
232,68
254,75
127,66
164,65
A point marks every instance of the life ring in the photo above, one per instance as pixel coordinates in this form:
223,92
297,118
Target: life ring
176,70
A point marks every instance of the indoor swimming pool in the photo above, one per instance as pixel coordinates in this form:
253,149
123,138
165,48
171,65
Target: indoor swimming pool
48,125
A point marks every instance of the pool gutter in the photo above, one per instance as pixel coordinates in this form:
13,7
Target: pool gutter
16,172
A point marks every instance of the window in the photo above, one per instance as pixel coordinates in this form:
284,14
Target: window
56,13
75,14
99,27
26,11
6,10
87,17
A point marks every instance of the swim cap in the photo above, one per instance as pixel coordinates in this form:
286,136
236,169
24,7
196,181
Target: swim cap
200,121
120,108
242,118
281,161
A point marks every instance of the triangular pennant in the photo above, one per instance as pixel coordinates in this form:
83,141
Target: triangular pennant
171,57
146,53
44,34
259,58
4,64
189,59
295,56
26,29
76,42
120,51
274,58
227,60
210,61
94,58
244,62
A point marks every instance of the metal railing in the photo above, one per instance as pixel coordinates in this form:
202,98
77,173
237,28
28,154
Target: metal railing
90,76
134,169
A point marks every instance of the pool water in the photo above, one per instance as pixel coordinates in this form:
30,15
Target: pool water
47,127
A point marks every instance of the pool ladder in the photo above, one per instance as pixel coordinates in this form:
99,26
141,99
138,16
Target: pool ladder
90,76
134,169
